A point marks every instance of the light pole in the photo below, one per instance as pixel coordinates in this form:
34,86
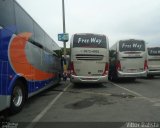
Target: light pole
64,32
64,27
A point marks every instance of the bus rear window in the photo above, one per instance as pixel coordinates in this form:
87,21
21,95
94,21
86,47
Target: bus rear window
154,51
90,41
131,45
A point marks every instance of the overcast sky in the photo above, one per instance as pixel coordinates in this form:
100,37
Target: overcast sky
117,19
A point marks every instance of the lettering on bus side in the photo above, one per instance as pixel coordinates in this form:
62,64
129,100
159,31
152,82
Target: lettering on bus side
91,40
134,45
154,51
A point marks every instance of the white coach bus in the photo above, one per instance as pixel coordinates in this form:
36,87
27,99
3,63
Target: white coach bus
128,58
89,58
153,61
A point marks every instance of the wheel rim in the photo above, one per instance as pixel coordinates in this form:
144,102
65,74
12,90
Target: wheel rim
17,96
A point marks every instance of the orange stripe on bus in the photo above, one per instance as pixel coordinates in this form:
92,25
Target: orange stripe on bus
19,60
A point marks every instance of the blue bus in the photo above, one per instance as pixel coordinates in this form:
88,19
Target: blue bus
28,61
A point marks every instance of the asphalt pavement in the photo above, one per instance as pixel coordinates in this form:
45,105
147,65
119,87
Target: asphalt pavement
118,104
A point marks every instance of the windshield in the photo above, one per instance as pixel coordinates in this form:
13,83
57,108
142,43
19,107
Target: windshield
90,41
154,51
131,45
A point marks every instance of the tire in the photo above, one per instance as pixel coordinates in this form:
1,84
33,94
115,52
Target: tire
17,97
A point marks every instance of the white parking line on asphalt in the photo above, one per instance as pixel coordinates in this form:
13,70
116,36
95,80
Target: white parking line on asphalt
157,105
133,92
153,100
45,110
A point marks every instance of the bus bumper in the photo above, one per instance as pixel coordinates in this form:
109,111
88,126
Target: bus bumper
137,74
89,79
155,72
4,102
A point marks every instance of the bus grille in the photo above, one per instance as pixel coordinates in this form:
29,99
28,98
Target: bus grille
89,57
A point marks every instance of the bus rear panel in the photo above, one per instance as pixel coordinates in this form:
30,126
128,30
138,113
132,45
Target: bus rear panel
89,58
128,59
153,61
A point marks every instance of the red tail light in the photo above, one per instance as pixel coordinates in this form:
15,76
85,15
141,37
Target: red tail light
145,65
118,65
72,69
106,70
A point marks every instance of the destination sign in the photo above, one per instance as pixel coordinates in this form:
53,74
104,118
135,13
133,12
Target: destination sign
132,45
154,51
90,40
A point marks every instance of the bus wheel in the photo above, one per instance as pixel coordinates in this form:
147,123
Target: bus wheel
17,98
